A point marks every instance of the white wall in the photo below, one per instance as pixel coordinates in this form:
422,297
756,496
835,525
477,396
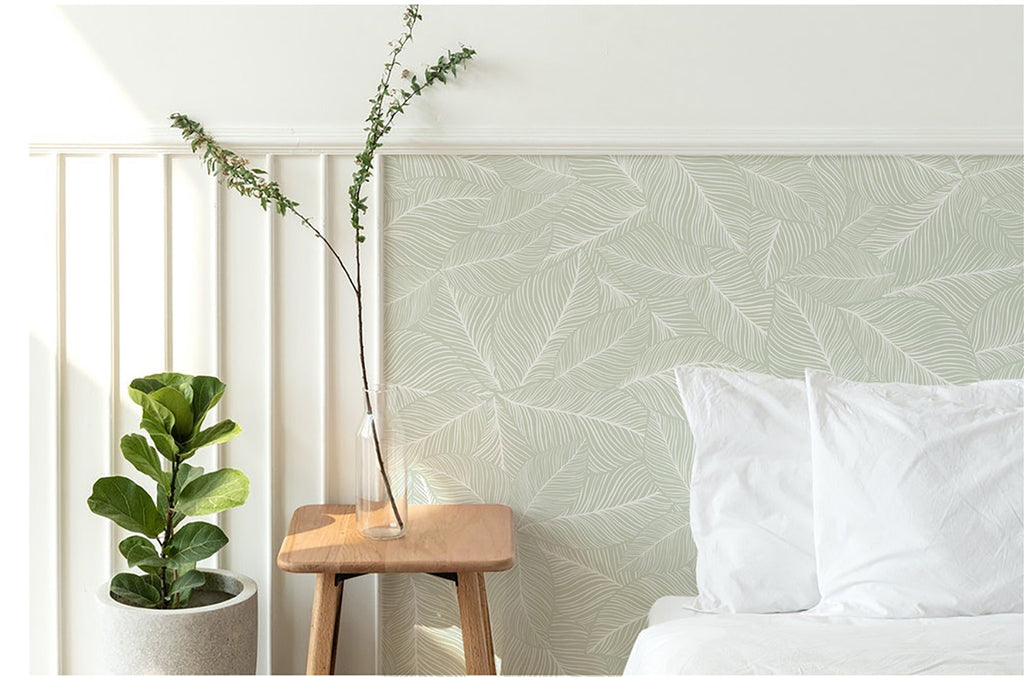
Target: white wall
114,73
798,78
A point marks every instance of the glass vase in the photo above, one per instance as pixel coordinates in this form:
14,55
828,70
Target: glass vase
382,473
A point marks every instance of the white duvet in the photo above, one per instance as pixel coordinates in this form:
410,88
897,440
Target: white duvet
679,642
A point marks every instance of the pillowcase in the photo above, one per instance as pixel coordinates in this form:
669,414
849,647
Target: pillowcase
917,497
750,491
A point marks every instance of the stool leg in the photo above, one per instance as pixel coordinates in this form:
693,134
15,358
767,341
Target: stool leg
323,626
476,624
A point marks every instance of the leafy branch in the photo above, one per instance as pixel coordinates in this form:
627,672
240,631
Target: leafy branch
232,170
386,105
381,116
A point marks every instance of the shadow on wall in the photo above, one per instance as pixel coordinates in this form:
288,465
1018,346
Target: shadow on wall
173,59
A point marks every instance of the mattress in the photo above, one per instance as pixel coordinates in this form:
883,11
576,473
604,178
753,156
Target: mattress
681,641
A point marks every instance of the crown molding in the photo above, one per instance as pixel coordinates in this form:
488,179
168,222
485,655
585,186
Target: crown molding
552,141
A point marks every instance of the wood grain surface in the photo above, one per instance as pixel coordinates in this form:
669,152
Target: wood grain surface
323,626
438,538
476,624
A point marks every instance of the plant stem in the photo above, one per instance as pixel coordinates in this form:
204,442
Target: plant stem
366,388
327,242
168,535
365,161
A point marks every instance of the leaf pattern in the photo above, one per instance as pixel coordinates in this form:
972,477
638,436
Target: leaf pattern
534,307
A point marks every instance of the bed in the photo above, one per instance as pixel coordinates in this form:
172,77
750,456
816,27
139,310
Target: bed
847,527
679,640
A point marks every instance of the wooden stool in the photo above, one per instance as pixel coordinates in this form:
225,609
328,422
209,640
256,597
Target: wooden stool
457,542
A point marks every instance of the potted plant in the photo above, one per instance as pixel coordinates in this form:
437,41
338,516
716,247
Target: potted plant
172,617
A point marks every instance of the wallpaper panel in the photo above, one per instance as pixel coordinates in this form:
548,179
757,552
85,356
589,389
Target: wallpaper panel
534,307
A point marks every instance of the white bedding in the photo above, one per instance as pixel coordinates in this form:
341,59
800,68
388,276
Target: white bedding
681,641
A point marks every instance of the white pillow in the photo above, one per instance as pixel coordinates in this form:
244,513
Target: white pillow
750,491
917,497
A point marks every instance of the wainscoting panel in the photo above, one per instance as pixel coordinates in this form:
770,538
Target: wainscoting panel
86,397
145,264
535,305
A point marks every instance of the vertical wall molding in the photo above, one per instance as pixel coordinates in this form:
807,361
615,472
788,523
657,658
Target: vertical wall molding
168,215
218,328
115,344
60,407
376,356
272,430
325,338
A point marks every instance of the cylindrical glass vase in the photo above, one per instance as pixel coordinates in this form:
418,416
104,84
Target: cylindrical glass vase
382,473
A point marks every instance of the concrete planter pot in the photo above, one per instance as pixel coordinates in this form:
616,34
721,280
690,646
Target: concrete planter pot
215,639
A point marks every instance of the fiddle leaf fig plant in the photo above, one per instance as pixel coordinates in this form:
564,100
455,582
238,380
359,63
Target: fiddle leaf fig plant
174,408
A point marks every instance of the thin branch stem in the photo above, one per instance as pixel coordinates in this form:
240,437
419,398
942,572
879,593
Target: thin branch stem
327,242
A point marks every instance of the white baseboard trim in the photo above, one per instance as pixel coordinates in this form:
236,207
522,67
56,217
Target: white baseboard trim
638,141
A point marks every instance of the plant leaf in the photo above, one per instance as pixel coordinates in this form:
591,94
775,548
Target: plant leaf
206,392
187,582
135,590
175,402
126,504
196,541
213,492
136,549
165,444
172,379
157,420
144,386
144,459
185,595
215,434
155,563
186,473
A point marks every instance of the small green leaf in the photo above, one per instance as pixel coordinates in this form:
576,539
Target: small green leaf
136,549
126,504
165,444
143,386
155,563
215,434
173,379
135,590
187,582
213,492
155,416
157,420
143,457
196,541
175,402
186,473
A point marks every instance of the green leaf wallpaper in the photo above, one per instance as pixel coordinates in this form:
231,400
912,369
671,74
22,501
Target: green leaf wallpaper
535,305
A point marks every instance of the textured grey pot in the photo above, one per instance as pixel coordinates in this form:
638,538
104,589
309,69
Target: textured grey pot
218,639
